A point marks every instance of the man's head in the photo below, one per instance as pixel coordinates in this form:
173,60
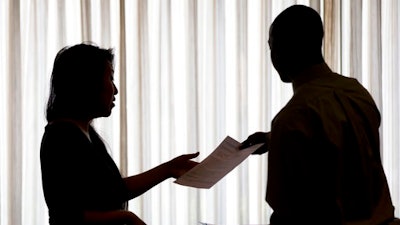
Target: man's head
295,40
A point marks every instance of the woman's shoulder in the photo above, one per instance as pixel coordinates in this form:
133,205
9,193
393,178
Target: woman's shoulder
61,128
62,134
60,124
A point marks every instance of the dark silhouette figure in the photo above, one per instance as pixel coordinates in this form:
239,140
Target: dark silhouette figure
324,164
81,182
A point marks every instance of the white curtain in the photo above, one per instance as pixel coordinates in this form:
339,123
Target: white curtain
189,73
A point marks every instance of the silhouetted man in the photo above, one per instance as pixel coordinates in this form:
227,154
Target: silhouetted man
324,163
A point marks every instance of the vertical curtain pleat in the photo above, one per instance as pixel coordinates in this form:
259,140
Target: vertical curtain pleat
356,54
192,104
332,40
123,149
257,113
59,36
144,106
32,25
134,103
390,96
4,149
167,138
86,16
206,98
372,50
240,176
13,121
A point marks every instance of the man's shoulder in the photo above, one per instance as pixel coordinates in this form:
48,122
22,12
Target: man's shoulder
295,114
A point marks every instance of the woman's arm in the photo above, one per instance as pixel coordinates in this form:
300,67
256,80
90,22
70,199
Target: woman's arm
112,217
176,167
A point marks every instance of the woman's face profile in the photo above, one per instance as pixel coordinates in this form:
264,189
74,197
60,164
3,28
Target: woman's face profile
110,90
107,93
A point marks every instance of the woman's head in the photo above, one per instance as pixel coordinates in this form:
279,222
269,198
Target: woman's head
81,83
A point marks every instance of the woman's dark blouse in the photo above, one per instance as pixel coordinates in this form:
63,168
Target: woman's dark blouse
78,174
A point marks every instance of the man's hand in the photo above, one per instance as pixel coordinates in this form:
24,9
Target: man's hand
112,217
132,219
258,138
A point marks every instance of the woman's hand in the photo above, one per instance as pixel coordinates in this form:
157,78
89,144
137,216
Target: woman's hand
181,164
142,182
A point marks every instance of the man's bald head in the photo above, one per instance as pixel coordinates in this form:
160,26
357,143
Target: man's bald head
296,40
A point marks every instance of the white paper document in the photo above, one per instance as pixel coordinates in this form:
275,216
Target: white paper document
219,163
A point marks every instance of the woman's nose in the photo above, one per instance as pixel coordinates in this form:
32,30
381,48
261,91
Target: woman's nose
115,89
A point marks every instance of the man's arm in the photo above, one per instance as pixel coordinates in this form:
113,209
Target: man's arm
112,217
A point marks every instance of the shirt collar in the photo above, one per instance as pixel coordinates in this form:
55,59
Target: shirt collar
311,73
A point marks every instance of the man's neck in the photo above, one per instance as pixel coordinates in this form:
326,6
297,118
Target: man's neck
310,73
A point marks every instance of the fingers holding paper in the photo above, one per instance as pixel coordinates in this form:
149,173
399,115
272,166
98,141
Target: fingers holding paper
181,164
257,138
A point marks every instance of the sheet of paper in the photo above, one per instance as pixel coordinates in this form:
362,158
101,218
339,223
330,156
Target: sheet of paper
219,163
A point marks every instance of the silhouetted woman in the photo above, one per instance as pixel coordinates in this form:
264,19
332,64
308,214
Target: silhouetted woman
81,182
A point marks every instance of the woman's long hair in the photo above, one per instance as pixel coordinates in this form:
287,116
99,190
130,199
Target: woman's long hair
76,81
